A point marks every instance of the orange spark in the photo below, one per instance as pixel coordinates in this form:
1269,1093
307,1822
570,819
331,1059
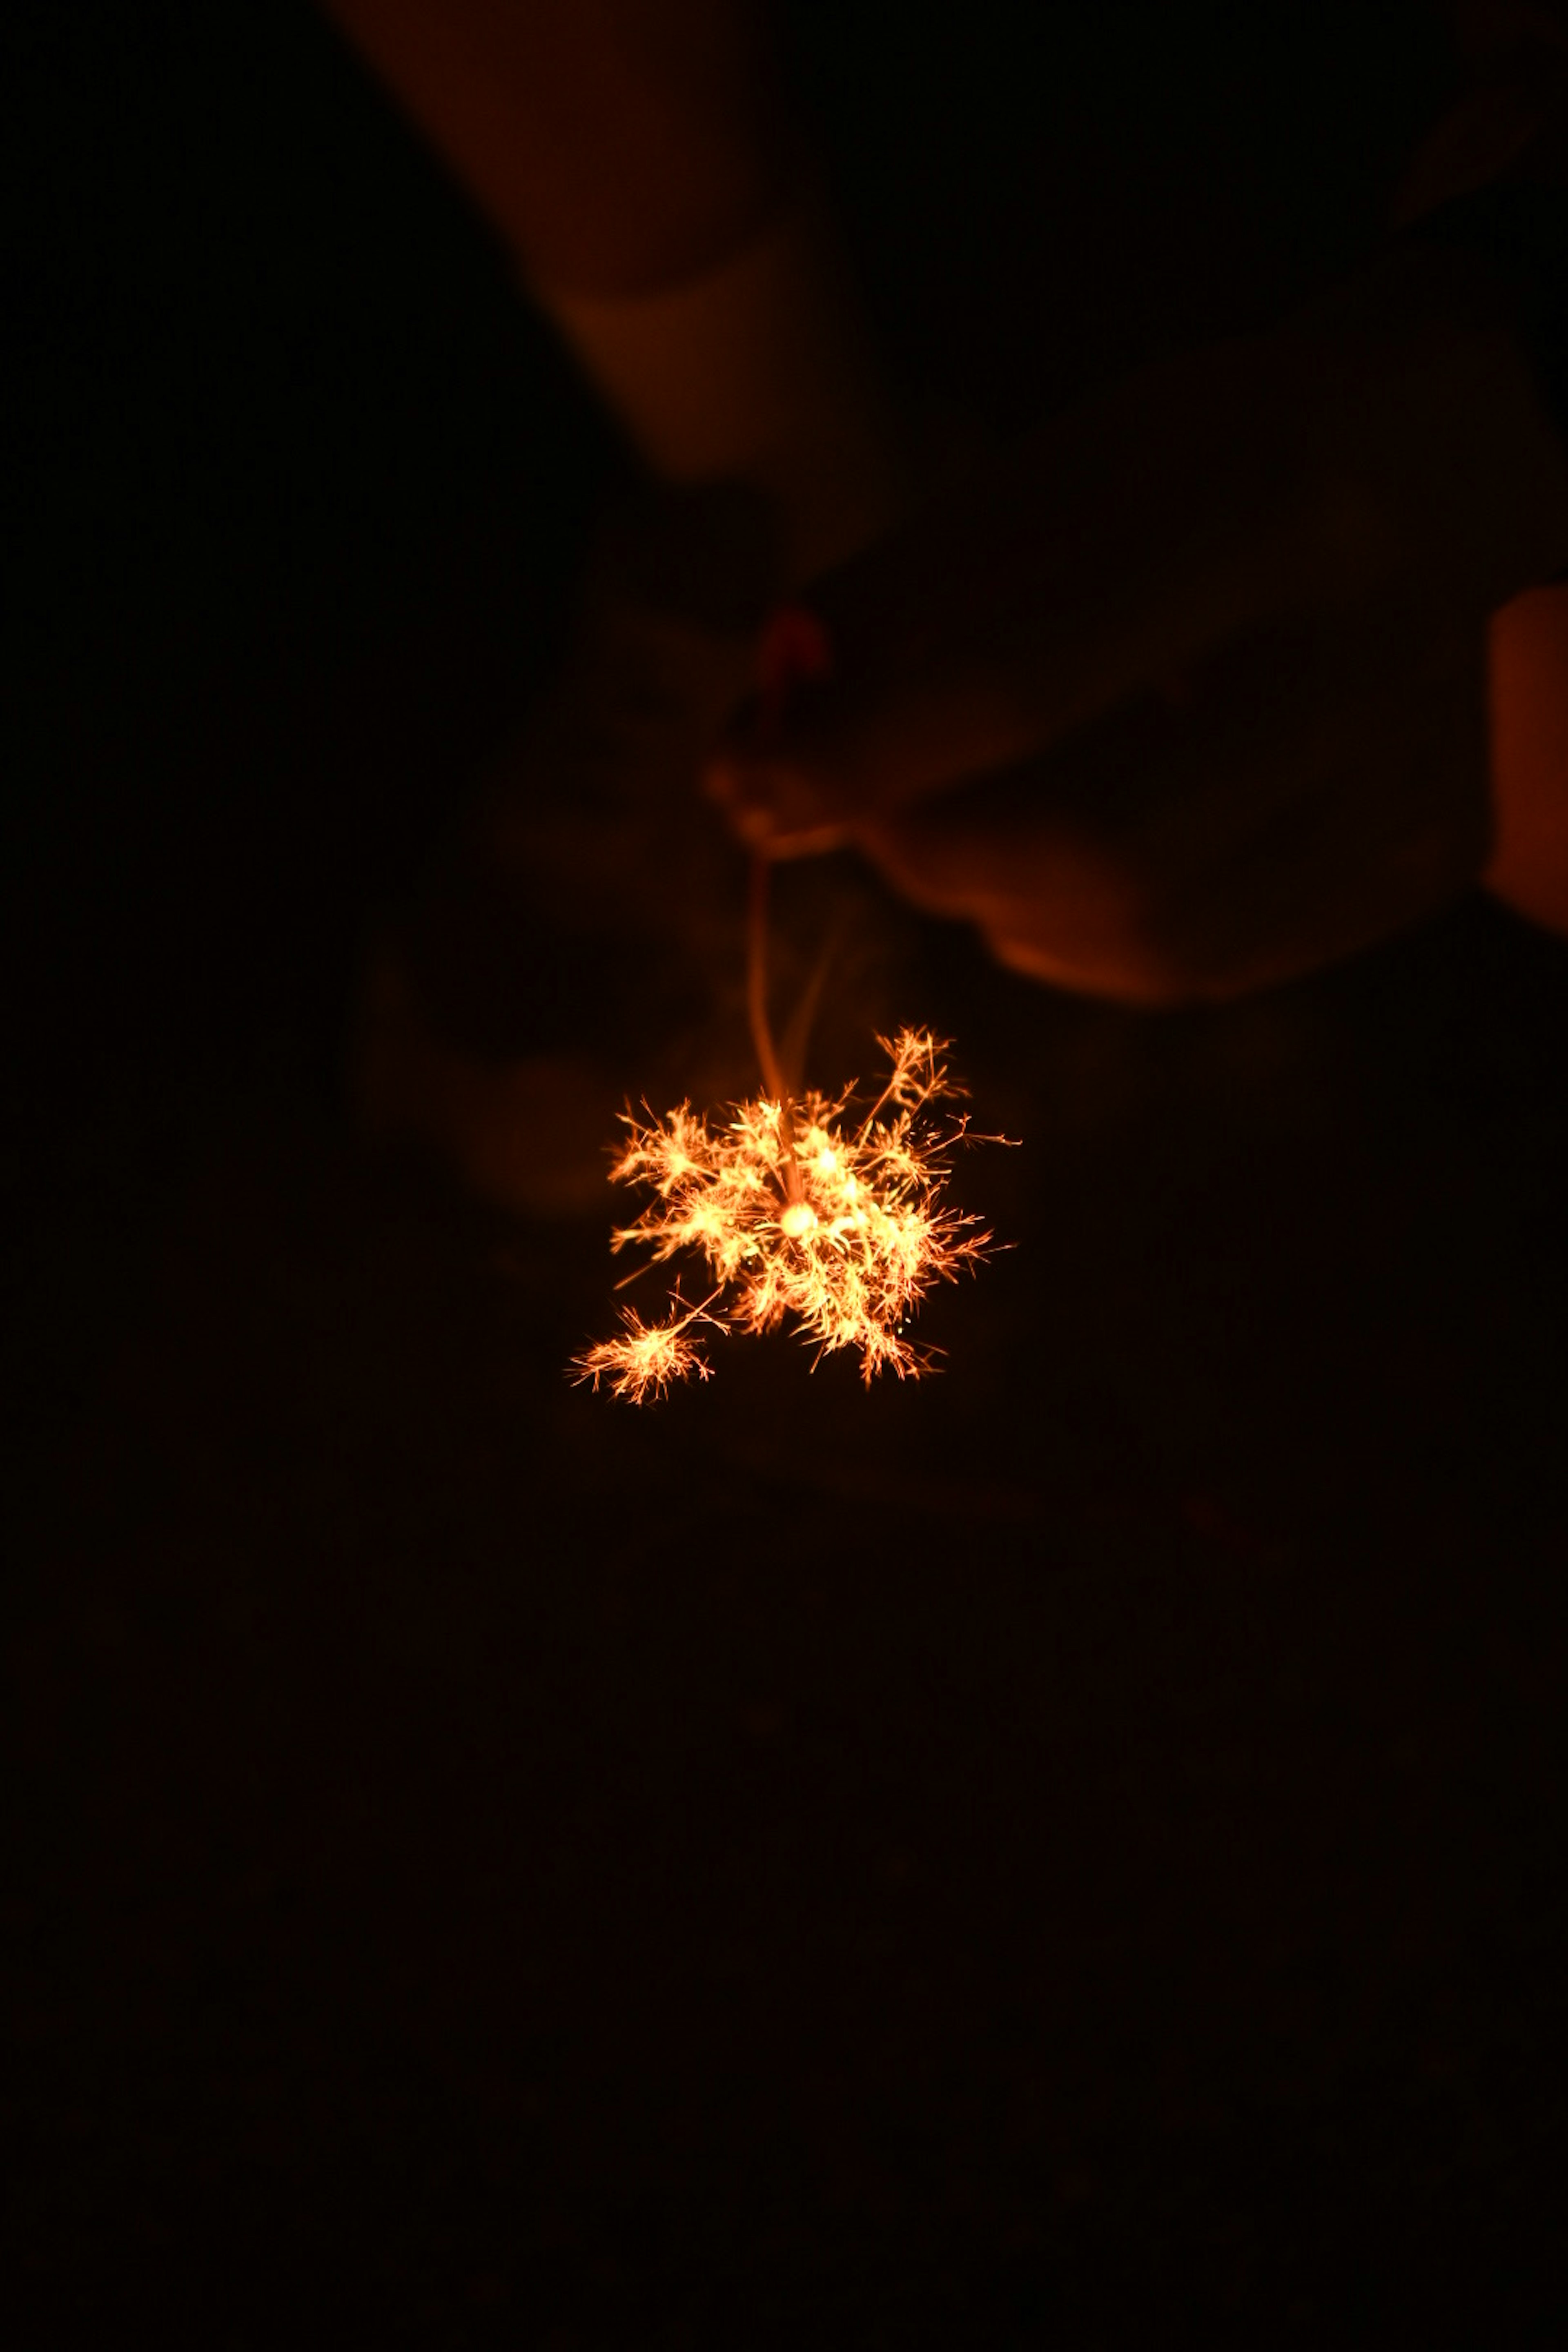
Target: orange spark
801,1212
646,1356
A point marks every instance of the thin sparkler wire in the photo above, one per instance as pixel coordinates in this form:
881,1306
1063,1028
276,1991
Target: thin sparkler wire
757,1011
757,978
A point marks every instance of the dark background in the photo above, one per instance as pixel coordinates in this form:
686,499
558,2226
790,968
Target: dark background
1073,1845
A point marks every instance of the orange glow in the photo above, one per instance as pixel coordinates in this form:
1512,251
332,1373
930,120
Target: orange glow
648,1357
802,1212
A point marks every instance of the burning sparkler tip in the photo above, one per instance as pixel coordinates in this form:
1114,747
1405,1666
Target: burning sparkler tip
803,1210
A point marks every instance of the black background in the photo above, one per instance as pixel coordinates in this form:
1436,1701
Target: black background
1078,1843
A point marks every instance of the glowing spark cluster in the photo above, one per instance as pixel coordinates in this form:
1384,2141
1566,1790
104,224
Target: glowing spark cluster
802,1211
646,1356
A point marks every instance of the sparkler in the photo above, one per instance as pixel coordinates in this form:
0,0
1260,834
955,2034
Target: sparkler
804,1208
